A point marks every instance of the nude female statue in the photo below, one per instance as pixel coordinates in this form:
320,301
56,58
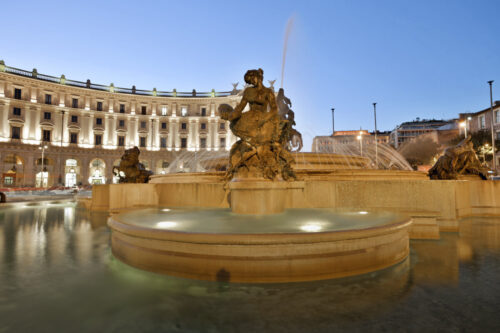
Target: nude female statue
259,153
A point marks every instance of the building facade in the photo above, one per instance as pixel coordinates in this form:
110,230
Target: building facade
57,131
330,143
407,131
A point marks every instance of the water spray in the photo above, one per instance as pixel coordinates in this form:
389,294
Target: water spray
289,26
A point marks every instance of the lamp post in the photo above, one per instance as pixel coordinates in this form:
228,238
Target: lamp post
492,126
463,124
60,181
376,141
360,138
333,121
42,148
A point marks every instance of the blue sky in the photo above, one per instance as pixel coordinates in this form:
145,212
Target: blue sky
427,59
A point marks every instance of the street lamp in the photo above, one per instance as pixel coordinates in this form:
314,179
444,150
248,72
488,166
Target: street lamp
360,138
333,121
463,124
376,142
492,127
42,148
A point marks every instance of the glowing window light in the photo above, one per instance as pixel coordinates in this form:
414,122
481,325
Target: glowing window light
165,210
363,213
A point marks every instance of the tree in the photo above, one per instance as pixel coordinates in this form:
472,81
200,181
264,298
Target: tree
420,151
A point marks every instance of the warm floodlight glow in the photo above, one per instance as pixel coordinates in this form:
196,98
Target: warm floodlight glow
166,224
311,227
363,213
359,137
462,124
165,210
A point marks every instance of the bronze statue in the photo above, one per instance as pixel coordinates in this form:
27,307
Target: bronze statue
458,160
291,136
130,169
261,151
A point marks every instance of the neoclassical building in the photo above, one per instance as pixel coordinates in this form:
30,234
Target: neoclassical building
59,131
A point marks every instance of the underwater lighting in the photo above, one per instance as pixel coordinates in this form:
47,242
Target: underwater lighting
311,227
166,224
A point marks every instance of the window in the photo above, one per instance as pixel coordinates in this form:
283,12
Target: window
163,142
497,116
47,115
98,121
46,135
74,103
222,142
48,99
163,125
222,126
8,180
16,111
203,143
163,110
203,112
203,126
17,93
121,141
74,119
482,122
143,124
122,108
143,141
99,106
184,111
121,123
183,126
16,133
183,143
73,138
98,139
143,109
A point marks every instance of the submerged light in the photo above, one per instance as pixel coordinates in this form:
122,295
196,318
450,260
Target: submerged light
311,227
166,224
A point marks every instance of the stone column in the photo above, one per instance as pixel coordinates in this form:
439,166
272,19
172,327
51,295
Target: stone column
4,126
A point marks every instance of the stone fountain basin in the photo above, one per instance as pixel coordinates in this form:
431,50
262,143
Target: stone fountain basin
297,245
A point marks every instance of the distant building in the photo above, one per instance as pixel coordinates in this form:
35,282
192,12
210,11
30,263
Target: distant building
326,144
407,131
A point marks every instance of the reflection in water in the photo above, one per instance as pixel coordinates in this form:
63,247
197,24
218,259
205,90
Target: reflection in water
56,270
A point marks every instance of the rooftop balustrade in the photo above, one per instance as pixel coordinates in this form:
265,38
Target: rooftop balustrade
111,88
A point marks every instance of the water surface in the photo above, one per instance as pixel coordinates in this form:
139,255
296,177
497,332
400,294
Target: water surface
57,275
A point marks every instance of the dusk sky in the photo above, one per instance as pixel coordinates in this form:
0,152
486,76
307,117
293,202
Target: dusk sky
427,59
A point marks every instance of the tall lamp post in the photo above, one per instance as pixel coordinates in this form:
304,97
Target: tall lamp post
42,148
492,126
360,138
376,141
60,153
333,121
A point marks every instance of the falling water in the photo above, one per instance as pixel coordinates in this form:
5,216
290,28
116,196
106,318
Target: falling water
289,26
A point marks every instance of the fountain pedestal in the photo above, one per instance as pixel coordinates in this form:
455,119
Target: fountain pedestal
257,196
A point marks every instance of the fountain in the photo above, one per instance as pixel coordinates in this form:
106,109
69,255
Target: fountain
268,234
266,213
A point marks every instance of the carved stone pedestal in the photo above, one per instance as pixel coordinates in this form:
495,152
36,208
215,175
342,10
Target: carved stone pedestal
258,196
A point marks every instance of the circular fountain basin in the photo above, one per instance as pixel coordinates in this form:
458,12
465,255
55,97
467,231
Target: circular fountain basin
296,245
